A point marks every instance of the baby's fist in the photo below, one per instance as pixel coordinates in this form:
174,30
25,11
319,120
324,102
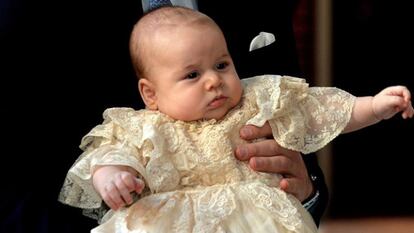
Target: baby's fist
392,100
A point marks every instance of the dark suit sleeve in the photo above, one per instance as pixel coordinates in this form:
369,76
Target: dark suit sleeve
315,172
240,27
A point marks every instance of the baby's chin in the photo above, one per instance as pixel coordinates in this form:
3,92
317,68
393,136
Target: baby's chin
216,115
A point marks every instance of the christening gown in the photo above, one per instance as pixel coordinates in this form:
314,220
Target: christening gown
193,181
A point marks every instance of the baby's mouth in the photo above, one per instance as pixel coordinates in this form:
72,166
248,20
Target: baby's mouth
218,101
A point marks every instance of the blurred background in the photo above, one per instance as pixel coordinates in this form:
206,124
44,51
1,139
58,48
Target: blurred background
363,46
48,50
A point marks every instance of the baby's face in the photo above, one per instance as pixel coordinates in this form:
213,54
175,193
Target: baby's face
193,73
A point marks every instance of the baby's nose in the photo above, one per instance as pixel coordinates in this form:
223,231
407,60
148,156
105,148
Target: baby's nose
213,80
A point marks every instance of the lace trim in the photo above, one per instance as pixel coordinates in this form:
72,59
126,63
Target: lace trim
277,203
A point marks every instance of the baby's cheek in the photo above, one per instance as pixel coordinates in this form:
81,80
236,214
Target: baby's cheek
238,92
187,111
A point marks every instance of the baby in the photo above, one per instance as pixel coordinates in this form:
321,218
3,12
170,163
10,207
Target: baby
178,153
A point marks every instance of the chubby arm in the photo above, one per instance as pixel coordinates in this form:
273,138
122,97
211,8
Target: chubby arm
370,110
115,183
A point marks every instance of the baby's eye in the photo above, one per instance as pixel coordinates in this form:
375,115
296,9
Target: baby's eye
222,65
192,75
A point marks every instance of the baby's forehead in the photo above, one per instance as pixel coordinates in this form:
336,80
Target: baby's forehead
173,17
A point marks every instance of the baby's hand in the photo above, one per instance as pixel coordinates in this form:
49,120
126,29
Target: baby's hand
115,186
392,100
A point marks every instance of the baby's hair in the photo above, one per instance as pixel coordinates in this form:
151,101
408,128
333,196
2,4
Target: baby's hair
153,21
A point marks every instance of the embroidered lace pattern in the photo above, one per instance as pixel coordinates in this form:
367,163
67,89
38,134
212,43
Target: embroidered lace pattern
193,181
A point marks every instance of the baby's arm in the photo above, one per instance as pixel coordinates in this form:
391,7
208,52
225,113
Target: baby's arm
115,184
370,110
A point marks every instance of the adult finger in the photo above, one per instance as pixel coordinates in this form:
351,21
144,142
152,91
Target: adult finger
264,148
300,188
251,132
275,164
287,163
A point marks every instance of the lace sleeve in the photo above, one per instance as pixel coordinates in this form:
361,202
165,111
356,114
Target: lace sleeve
106,144
302,118
314,119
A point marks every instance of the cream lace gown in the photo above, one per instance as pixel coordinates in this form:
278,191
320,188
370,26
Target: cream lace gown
193,181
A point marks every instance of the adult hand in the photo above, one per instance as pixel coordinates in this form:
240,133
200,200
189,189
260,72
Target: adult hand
267,156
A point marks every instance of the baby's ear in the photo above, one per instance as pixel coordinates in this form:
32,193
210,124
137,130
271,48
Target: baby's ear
148,94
